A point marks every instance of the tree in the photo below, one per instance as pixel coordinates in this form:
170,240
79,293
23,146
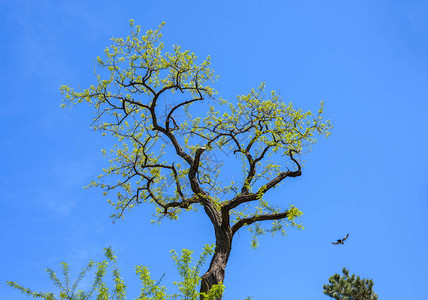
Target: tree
349,287
260,129
150,290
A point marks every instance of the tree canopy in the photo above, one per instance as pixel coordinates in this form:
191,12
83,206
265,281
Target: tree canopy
127,106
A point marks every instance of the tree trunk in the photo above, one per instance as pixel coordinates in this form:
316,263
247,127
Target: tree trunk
216,271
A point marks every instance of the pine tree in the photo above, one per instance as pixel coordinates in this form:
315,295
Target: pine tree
349,287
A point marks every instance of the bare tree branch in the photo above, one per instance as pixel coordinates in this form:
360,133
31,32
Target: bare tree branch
257,218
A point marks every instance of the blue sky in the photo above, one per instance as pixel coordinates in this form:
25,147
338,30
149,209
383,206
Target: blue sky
367,60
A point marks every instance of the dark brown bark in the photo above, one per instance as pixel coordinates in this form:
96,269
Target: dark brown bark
216,271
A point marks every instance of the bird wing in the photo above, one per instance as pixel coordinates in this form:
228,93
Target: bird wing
335,243
345,237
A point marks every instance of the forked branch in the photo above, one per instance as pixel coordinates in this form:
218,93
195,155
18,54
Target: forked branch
244,198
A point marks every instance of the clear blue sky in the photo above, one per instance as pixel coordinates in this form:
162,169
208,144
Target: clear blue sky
368,60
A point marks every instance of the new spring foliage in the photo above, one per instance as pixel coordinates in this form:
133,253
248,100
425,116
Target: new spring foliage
109,285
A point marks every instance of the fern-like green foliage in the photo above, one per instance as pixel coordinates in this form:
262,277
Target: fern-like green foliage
349,287
150,289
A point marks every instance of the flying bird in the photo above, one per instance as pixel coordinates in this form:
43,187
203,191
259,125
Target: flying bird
341,241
